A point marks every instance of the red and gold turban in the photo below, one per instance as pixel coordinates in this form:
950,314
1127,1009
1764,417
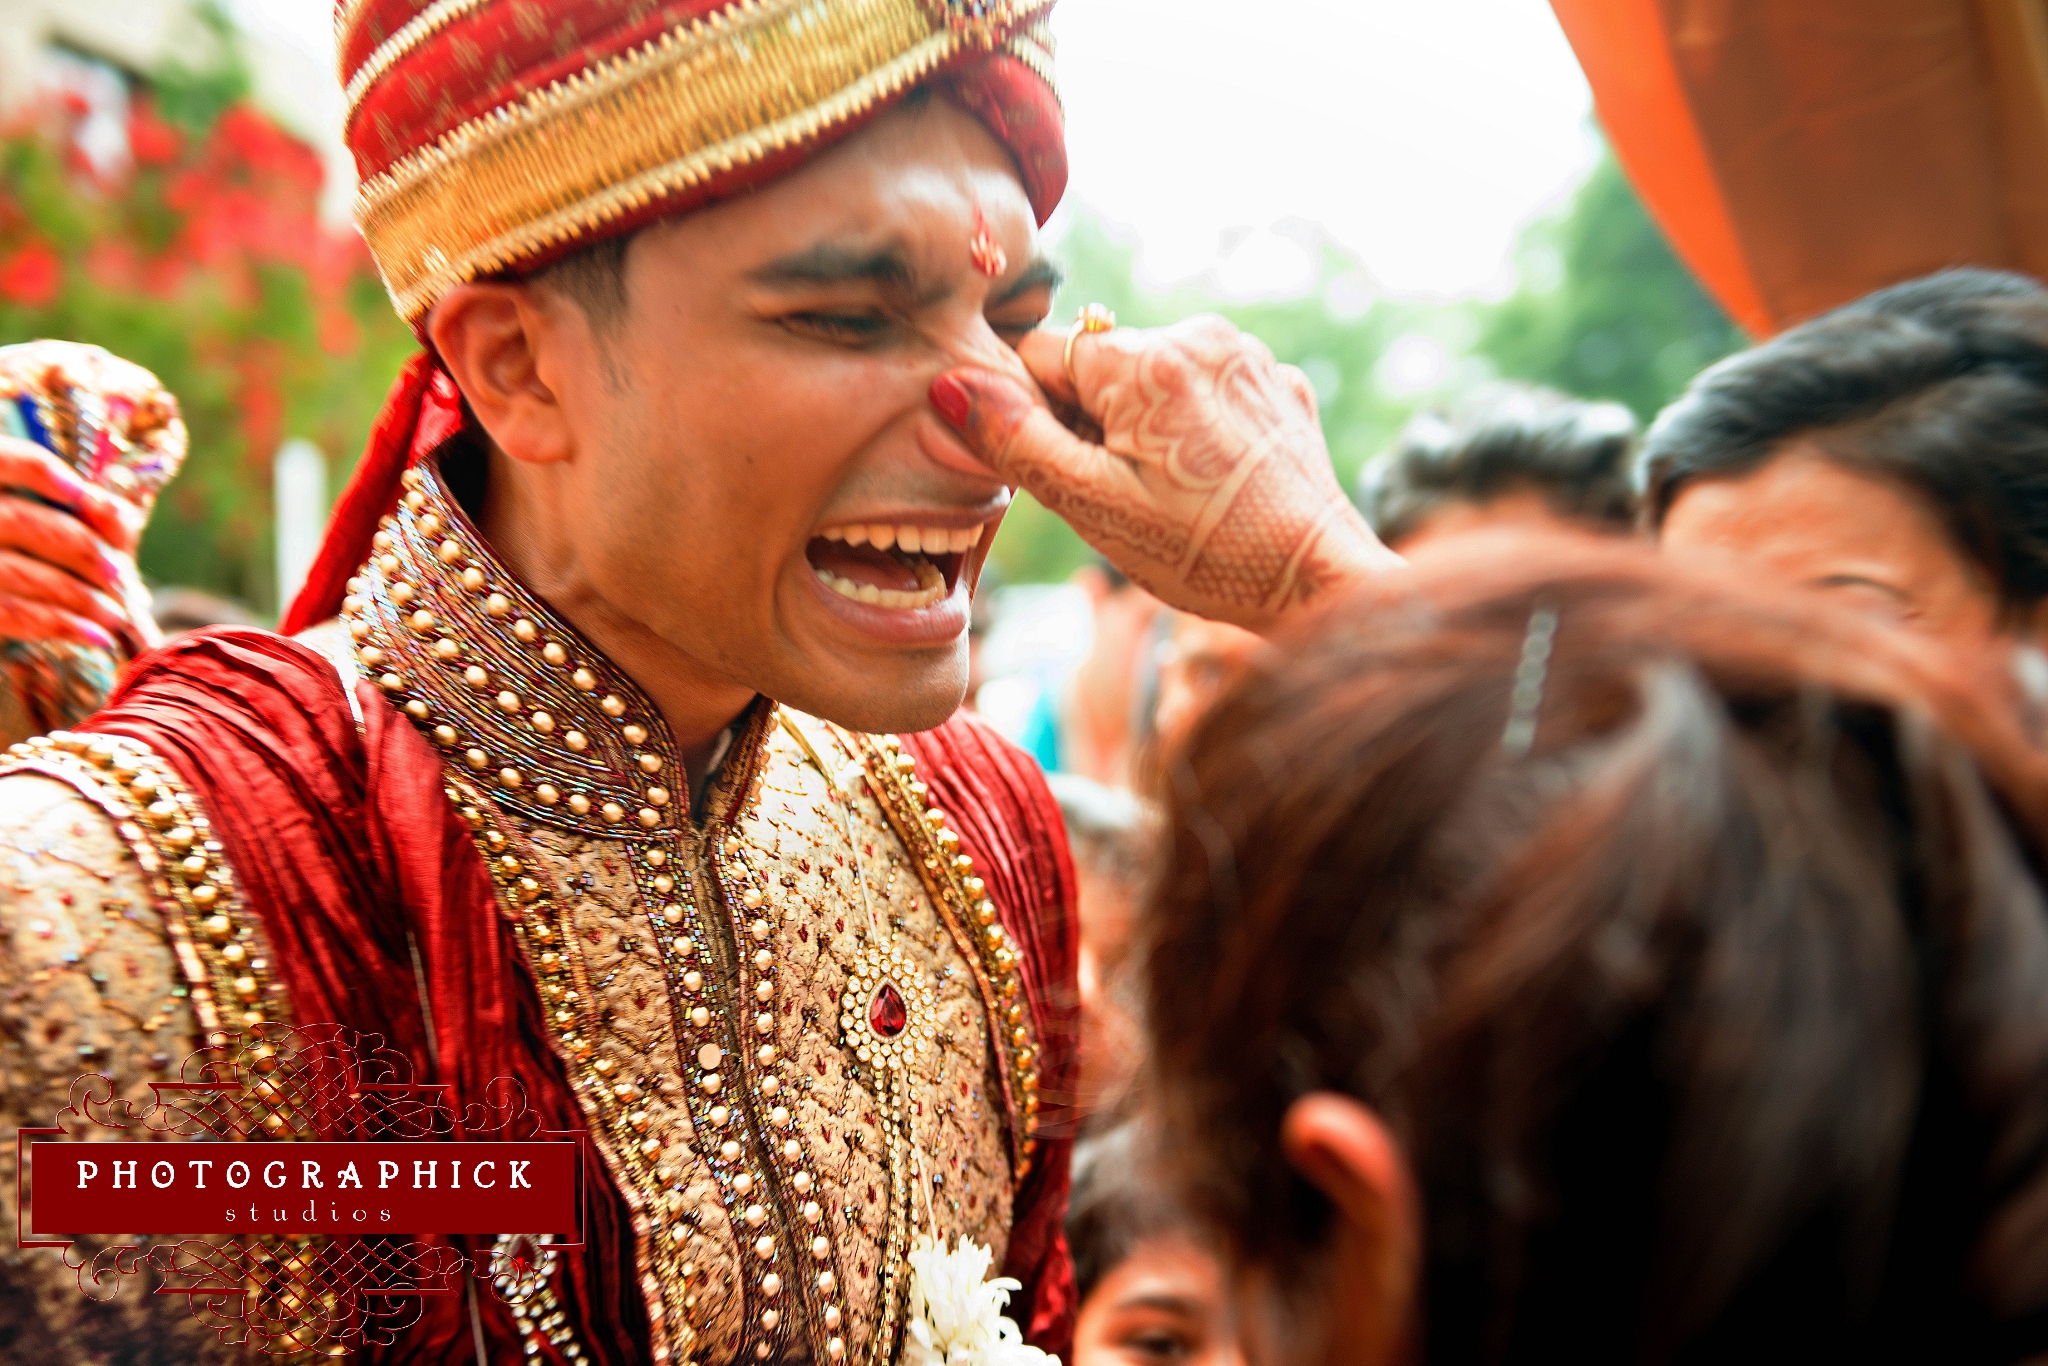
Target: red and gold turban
494,136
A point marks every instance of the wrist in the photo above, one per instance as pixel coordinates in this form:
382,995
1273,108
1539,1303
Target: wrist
1345,554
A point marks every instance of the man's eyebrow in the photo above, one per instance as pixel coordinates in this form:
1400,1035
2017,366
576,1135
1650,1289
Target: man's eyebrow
830,264
1165,1302
1040,274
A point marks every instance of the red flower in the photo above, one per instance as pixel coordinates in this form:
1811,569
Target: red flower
33,276
151,141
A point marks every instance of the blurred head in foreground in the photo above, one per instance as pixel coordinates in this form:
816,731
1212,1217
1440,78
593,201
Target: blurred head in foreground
1893,453
1152,1292
1513,455
1563,956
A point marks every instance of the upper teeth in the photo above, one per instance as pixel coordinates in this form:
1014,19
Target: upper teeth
912,539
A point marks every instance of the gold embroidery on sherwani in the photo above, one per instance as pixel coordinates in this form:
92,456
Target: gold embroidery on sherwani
126,941
88,983
696,978
220,948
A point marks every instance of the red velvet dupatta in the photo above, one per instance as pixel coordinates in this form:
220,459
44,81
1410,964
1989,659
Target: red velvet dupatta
345,844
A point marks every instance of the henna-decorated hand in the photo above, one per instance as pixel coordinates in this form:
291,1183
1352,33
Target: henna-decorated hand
67,572
1211,485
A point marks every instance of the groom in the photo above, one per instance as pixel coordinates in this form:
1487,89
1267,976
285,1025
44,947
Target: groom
611,752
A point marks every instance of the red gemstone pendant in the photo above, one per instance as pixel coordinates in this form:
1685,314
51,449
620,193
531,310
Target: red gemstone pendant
887,1012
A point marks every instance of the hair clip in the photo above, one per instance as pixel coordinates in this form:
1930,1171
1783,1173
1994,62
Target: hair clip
1530,676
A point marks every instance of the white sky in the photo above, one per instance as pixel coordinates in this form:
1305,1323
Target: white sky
1421,134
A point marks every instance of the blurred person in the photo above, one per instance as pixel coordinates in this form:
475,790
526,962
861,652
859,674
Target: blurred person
1153,1293
87,441
1511,455
1109,830
180,610
1096,724
1566,955
1892,453
1199,662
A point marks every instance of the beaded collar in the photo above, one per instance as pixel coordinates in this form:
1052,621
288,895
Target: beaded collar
504,686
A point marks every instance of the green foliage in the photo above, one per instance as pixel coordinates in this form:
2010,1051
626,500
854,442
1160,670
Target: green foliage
194,97
207,264
1604,309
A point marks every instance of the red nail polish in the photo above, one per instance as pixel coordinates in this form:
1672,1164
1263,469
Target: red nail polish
950,397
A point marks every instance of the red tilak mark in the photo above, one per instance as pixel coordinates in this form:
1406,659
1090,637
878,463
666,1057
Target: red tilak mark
985,251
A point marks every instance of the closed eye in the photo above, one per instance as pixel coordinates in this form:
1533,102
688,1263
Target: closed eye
844,328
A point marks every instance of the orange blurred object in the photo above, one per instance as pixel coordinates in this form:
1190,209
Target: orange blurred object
1801,153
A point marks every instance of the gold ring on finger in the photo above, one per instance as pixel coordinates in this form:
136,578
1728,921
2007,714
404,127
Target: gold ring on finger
1095,319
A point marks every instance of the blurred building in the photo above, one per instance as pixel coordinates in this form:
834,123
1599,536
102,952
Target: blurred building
100,52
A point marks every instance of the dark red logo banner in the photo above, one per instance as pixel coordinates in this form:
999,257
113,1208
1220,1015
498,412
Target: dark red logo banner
317,1191
300,1188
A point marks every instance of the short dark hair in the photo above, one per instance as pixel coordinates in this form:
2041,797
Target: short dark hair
1510,438
1708,1014
594,279
1117,1204
1940,383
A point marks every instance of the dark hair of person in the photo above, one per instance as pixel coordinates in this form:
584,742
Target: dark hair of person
1707,1003
594,279
1117,1204
1509,439
1940,384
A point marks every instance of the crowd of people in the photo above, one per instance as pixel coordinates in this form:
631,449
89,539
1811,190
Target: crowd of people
1586,906
1623,933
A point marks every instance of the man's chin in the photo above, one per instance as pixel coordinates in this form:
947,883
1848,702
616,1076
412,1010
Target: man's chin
890,701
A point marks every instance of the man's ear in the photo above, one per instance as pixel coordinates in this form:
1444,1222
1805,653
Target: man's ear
1343,1149
495,340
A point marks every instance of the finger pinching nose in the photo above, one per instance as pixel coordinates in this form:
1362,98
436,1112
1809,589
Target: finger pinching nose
1095,319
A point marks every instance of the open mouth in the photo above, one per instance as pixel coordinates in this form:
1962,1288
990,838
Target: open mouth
899,567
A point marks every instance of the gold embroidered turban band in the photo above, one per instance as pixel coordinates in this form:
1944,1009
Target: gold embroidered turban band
495,135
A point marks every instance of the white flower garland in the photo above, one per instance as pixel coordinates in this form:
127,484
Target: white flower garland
956,1313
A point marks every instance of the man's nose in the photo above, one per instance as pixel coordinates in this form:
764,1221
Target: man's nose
970,340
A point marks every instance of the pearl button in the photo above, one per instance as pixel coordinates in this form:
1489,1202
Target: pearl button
710,1055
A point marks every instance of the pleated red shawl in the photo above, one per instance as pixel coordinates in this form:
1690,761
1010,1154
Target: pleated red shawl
344,843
